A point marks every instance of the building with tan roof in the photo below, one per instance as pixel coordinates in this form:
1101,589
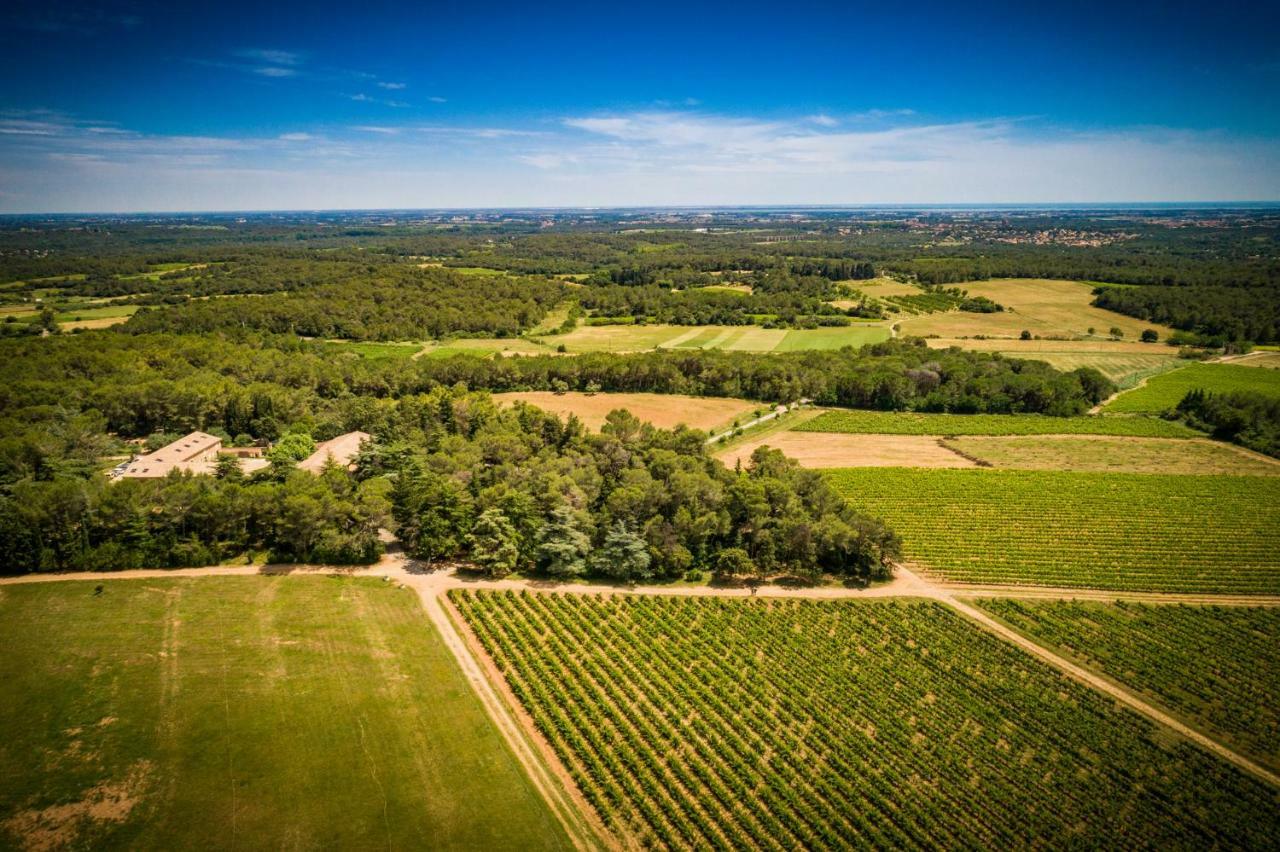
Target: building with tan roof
342,449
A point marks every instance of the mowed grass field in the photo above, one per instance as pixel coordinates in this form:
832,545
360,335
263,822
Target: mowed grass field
746,338
1121,531
1125,455
250,712
1043,307
662,410
1216,666
1163,392
913,423
758,724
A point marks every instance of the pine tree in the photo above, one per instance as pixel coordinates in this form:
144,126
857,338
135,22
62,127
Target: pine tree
564,547
623,555
494,543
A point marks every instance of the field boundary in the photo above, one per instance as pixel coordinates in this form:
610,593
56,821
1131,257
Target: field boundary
550,779
1133,699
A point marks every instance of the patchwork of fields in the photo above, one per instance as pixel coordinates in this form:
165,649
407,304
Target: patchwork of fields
289,712
1128,532
747,338
1163,392
784,724
1219,666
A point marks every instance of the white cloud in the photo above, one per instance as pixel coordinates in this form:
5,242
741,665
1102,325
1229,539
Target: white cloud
436,99
392,86
270,57
51,161
273,71
823,120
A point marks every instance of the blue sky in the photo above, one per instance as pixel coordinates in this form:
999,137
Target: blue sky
142,106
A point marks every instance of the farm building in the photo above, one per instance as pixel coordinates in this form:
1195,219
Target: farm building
342,449
196,453
199,451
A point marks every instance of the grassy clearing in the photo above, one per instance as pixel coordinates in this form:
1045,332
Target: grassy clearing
662,410
1216,666
1043,307
818,450
485,346
75,314
707,723
1165,391
1119,455
912,423
287,712
1128,532
380,351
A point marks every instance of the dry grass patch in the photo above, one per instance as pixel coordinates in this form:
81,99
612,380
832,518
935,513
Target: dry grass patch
662,410
1043,307
1115,454
1268,360
826,450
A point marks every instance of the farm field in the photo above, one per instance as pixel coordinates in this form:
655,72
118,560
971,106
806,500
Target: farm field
1163,392
1043,307
818,450
882,287
750,338
1269,360
913,423
1127,532
297,712
1121,361
802,724
1122,454
662,410
1218,666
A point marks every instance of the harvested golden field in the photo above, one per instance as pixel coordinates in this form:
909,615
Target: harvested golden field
1268,360
662,410
1119,360
882,287
1105,453
1043,307
827,450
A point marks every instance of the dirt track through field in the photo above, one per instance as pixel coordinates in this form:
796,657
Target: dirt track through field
550,776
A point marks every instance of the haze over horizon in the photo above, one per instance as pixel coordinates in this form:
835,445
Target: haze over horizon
136,106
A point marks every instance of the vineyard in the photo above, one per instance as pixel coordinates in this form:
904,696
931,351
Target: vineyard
754,724
1165,391
1119,531
925,303
1219,666
912,423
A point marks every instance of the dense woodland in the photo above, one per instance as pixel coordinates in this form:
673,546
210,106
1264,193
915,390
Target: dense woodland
1249,419
229,304
1216,315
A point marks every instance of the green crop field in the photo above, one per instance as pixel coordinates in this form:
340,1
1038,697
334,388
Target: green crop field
1217,666
1103,530
748,724
1165,391
267,713
911,423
